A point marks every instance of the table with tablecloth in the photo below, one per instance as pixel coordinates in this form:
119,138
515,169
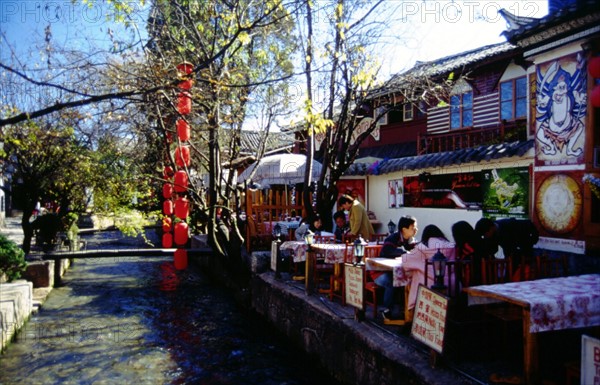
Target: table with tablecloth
401,277
547,304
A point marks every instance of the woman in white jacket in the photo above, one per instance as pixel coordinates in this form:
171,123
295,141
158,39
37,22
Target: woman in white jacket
413,262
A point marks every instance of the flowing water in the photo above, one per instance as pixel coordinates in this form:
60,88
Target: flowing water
138,321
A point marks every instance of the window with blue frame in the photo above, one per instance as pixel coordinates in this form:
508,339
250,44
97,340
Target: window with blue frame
513,99
461,110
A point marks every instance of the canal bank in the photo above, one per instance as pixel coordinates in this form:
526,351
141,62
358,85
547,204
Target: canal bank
353,352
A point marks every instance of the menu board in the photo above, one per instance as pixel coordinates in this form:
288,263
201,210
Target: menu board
429,321
354,280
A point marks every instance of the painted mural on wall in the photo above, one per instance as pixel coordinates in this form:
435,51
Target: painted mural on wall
395,193
356,188
461,191
561,102
558,210
506,192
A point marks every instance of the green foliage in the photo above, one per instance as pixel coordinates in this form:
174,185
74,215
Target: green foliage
12,259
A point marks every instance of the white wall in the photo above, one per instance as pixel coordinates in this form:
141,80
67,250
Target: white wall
377,191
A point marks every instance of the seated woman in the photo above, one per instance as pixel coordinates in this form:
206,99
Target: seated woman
413,262
466,249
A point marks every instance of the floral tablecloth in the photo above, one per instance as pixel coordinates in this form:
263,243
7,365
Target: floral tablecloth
297,248
554,303
401,276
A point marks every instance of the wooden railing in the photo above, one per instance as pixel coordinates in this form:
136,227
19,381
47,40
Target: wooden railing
467,138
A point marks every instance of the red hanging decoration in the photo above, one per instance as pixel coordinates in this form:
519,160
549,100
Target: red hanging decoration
167,240
182,208
186,84
184,103
181,181
595,96
166,224
594,67
183,130
182,156
168,207
167,190
181,233
185,68
181,259
168,172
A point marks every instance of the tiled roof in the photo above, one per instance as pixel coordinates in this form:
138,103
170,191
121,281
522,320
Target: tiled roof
443,66
251,141
441,159
580,14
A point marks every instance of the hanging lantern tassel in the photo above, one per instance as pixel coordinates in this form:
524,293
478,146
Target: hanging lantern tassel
181,259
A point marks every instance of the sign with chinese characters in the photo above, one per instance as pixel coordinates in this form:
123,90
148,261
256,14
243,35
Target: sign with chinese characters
354,281
460,191
429,321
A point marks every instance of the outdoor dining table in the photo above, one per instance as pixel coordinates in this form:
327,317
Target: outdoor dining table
547,304
401,278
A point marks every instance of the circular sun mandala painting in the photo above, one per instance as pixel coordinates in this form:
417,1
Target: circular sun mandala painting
558,204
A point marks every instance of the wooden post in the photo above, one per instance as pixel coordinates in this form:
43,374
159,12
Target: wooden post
308,273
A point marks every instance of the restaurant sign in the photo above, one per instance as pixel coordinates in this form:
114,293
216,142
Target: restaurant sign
354,278
429,321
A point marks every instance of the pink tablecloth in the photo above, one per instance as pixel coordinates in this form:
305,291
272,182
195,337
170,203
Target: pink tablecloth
555,303
401,277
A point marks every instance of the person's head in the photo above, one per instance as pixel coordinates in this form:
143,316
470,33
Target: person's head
407,226
431,231
345,202
485,228
339,217
463,233
316,223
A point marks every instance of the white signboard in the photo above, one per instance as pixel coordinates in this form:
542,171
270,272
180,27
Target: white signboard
354,281
429,321
590,360
274,255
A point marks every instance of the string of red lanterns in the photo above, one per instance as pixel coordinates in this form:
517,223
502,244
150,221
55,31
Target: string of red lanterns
176,231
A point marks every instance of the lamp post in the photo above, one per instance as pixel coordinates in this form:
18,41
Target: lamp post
439,270
277,234
391,227
359,250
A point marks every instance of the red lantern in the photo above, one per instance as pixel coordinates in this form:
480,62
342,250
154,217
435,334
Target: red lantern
595,97
168,207
183,130
181,233
167,240
184,103
181,259
167,190
182,156
182,208
594,67
168,172
181,181
185,68
166,224
186,84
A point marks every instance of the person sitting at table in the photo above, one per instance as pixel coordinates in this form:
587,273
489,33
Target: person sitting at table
466,250
394,246
516,238
316,225
341,226
413,262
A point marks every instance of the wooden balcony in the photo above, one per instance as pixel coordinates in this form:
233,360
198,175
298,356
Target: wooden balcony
468,138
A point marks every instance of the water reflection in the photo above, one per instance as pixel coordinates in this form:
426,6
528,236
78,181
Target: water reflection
114,322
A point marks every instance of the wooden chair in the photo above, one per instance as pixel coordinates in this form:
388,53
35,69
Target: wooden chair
323,271
258,239
495,270
456,277
338,281
548,267
378,238
372,291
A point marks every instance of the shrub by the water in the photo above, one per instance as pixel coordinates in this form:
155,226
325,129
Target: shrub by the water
12,259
